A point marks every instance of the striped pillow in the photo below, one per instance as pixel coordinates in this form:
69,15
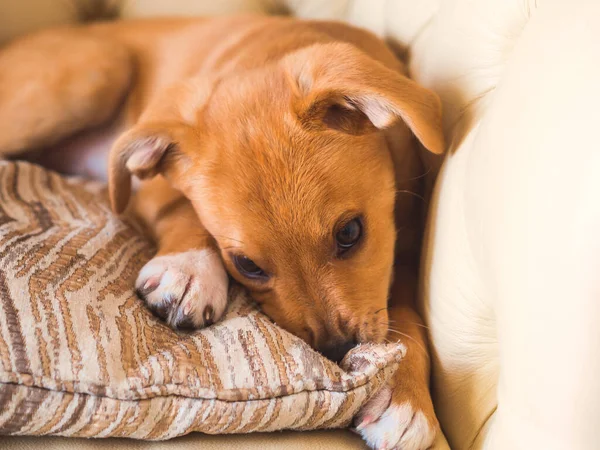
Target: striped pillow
80,355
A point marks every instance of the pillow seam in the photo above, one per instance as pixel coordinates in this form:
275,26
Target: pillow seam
394,361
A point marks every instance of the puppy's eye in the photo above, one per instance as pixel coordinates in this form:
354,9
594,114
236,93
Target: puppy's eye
247,267
348,235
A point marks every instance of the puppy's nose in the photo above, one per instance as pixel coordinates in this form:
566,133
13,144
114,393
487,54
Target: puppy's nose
336,351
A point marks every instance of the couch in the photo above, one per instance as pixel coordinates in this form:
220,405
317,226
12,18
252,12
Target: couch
509,280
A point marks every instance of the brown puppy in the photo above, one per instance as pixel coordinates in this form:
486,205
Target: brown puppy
277,150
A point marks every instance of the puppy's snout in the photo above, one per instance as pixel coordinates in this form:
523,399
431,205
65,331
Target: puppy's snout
336,350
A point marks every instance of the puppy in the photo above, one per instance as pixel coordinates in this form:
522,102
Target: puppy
278,151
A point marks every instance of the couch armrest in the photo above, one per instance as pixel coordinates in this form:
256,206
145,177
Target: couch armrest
536,168
512,287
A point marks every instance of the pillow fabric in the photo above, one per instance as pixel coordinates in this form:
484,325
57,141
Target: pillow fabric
80,355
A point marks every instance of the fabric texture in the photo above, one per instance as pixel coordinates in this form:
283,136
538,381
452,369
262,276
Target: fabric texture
80,354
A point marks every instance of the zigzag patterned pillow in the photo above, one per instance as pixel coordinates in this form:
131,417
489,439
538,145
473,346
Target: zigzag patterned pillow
80,355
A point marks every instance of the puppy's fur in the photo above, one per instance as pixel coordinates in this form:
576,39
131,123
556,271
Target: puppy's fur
259,137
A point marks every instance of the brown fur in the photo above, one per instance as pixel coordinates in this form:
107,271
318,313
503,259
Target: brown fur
273,130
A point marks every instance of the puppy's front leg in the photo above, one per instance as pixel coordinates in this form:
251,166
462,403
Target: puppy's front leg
185,283
401,415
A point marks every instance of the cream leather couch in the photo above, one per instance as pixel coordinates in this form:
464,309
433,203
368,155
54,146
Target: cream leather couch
510,282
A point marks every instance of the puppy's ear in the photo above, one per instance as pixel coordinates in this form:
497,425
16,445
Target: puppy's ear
167,127
339,86
143,151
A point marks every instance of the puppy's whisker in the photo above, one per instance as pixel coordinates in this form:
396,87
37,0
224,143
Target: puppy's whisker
408,337
420,176
228,238
380,309
409,322
229,247
217,235
414,194
220,236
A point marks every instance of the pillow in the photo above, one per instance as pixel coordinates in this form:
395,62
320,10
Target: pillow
80,355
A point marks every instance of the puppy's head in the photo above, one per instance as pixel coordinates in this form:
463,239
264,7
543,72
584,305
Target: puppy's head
289,170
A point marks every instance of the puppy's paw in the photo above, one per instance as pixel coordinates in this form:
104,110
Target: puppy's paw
187,290
391,420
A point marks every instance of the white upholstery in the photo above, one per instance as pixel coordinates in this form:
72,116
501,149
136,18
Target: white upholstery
511,291
154,8
510,287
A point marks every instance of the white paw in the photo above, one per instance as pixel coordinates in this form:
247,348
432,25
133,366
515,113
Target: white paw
188,290
385,425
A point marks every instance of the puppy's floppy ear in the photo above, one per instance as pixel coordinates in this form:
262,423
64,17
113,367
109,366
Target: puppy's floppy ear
143,151
167,126
341,87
